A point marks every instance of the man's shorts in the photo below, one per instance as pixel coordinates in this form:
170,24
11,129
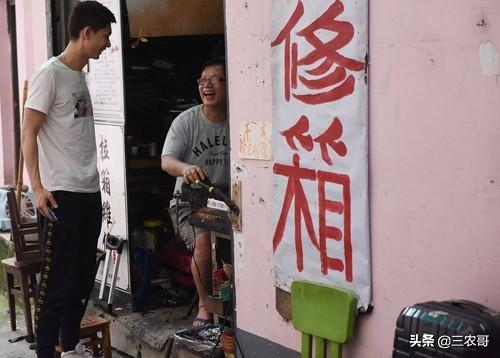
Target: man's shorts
183,229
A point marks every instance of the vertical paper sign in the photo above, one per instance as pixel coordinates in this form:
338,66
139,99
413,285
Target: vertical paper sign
320,144
105,75
255,140
110,158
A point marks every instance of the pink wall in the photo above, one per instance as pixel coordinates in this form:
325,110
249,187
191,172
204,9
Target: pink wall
31,38
31,32
6,101
435,167
31,22
249,73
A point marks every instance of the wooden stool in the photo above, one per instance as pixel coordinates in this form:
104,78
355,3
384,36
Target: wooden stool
90,326
25,272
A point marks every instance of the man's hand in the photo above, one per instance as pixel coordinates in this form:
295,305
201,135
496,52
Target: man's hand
176,168
43,197
192,173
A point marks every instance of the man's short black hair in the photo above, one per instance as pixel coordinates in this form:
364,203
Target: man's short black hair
214,62
89,13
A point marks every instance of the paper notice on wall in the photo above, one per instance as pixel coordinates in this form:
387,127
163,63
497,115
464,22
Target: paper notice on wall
255,140
105,75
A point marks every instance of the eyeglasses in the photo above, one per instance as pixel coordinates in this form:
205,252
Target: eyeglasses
213,80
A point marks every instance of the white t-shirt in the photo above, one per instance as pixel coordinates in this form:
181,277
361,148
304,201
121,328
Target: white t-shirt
66,142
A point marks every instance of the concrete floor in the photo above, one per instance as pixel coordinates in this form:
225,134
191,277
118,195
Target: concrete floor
14,350
20,349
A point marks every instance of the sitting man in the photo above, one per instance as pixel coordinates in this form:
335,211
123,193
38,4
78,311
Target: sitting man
196,148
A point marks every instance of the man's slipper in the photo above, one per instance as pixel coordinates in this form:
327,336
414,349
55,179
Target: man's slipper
204,322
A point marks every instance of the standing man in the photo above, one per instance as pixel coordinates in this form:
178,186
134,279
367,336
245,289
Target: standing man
59,147
197,148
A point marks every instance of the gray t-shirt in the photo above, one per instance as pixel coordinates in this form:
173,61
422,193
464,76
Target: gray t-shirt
195,140
66,141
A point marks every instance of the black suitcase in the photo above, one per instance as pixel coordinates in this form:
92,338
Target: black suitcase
450,329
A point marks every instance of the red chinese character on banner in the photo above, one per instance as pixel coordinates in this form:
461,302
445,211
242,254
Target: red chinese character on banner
295,193
326,52
297,131
330,232
329,138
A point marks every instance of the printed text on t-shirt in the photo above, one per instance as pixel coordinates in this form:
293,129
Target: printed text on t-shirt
209,143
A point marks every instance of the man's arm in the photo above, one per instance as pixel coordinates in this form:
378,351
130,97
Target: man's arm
33,121
177,168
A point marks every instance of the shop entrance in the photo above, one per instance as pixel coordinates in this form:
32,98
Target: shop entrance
160,83
138,86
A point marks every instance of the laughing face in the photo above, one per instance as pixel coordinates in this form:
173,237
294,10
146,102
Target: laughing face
97,41
212,86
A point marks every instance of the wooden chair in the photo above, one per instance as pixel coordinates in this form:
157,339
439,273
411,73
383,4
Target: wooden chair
325,312
24,235
23,267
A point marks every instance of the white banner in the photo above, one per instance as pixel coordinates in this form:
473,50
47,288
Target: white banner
110,162
320,144
105,82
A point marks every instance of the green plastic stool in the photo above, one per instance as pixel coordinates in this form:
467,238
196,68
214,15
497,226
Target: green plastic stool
325,312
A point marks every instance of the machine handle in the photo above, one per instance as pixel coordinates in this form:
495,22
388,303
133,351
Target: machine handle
218,193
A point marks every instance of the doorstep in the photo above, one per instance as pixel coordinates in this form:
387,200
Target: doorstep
151,334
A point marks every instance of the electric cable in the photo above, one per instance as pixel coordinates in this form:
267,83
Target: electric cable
194,248
194,259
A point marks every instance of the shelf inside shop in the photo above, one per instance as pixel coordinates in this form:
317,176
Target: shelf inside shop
149,163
